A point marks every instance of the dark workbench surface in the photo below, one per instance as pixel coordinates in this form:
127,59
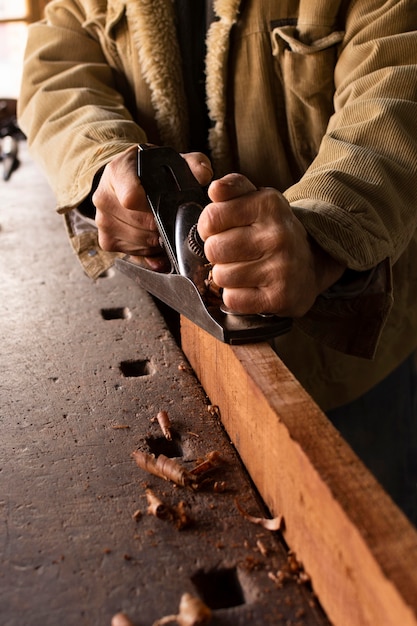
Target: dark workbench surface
84,368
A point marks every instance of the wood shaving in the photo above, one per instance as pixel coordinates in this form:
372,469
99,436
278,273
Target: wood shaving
169,469
211,460
177,514
292,571
181,516
192,612
155,506
269,524
262,548
121,619
164,422
212,289
214,410
163,467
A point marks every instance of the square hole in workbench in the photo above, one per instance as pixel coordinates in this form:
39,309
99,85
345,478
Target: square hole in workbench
115,313
160,445
136,368
219,589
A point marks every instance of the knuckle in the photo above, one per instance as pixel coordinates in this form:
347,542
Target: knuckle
106,242
100,220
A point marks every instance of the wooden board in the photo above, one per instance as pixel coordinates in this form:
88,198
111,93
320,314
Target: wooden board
358,548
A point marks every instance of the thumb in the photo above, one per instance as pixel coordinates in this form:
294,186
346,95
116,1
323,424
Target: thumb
229,187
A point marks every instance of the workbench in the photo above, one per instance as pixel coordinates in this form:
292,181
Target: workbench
85,368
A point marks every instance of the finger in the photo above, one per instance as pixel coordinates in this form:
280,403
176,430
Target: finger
159,263
200,166
245,210
119,235
246,243
114,244
237,275
113,214
248,301
260,300
120,180
230,186
124,180
266,207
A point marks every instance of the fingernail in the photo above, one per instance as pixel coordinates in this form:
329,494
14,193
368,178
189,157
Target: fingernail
231,180
207,167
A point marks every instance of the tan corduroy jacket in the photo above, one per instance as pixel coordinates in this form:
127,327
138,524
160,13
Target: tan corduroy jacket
317,98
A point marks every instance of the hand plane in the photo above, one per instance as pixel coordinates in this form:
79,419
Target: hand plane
176,200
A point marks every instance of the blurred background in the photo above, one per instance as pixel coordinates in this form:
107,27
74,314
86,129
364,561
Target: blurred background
15,16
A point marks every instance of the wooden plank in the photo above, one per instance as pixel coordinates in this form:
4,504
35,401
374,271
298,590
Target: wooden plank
357,546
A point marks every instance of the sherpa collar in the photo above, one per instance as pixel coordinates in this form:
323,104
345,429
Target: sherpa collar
153,26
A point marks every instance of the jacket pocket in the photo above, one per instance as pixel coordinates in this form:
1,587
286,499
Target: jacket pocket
306,71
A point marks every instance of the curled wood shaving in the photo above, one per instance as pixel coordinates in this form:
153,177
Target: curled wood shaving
177,514
192,612
269,524
165,424
211,460
163,467
155,506
169,469
214,410
121,619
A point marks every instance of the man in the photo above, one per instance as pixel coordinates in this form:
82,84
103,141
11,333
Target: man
309,128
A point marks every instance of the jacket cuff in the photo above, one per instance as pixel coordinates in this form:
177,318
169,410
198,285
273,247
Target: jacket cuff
83,236
350,316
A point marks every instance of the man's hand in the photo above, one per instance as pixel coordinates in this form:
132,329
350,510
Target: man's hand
123,217
262,256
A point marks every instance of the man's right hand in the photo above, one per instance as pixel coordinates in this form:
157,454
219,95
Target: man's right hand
123,217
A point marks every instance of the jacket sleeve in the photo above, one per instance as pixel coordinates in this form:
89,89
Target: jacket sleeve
361,188
358,198
70,106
